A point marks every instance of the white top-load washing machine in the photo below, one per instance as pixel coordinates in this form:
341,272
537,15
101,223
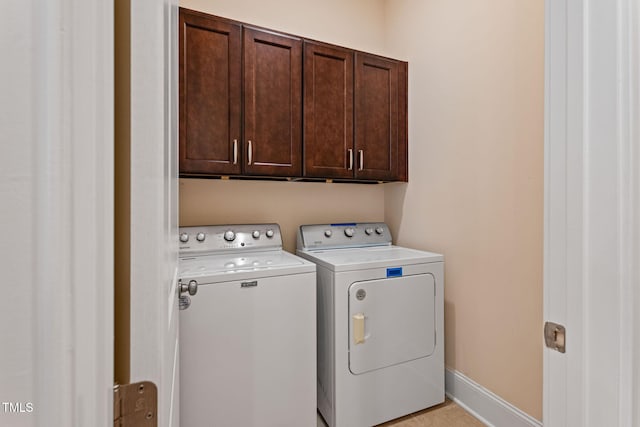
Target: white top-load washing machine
380,324
247,331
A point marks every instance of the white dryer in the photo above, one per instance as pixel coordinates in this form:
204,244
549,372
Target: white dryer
380,324
247,332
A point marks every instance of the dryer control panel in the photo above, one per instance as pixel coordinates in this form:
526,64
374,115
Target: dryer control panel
220,238
343,235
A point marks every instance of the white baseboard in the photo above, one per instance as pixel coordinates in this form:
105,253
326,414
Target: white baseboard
483,404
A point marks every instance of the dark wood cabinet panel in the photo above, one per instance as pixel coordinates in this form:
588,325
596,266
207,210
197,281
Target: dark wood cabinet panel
377,117
272,104
403,123
210,94
328,111
245,109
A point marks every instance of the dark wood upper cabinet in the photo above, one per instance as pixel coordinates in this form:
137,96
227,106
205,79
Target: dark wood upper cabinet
355,115
245,109
380,115
210,94
328,111
272,104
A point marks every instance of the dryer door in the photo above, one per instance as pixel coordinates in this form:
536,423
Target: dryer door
391,321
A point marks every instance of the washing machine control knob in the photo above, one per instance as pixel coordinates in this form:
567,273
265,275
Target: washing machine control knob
200,237
229,236
269,233
184,237
379,230
368,230
328,233
349,232
255,234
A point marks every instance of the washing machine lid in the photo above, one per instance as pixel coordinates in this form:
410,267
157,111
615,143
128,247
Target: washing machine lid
369,257
241,266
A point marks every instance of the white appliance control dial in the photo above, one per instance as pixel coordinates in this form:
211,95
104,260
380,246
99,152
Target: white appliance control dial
328,233
255,234
200,237
269,233
184,237
368,230
379,230
229,236
349,232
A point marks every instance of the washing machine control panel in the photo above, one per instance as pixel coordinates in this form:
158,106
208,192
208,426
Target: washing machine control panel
343,235
219,238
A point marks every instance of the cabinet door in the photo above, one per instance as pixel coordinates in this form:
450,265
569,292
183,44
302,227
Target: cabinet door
272,104
210,95
377,105
328,111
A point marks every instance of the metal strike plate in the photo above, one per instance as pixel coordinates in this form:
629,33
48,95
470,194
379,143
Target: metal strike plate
555,336
135,405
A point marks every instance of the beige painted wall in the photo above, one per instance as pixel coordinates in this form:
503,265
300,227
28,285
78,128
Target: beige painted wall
475,190
290,204
356,24
475,149
122,182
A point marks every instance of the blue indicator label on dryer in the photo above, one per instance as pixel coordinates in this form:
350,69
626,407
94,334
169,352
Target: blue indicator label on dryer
394,272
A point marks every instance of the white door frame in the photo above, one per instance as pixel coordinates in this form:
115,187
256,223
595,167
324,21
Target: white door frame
154,201
592,212
57,107
73,89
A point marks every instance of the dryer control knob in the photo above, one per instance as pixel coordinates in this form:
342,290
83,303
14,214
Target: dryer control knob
184,237
269,233
255,234
328,233
379,230
200,237
369,231
349,232
229,236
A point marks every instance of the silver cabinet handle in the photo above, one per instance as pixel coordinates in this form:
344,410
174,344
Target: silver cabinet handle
250,153
350,150
235,151
361,152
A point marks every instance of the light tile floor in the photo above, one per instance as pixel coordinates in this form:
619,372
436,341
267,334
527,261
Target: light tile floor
447,414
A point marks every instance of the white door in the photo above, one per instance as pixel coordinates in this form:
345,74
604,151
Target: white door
392,321
56,213
154,203
592,212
